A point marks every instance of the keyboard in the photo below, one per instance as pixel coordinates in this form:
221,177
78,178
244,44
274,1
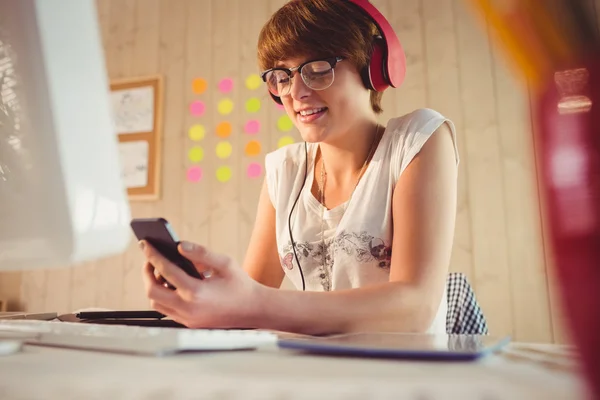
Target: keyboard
141,340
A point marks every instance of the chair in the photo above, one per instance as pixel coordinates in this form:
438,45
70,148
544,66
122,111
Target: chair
464,313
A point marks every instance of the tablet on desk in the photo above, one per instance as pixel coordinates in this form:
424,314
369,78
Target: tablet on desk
399,345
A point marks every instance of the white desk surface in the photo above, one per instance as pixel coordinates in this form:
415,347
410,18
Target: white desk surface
52,373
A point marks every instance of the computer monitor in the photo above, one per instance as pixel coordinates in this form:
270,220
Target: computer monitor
62,200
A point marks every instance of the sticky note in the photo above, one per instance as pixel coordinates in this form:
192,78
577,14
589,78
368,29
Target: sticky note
252,127
223,149
226,85
194,174
196,154
284,123
253,105
196,132
284,141
225,106
253,148
254,170
253,81
197,108
199,85
223,174
224,129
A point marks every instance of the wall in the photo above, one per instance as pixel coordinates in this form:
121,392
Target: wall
452,67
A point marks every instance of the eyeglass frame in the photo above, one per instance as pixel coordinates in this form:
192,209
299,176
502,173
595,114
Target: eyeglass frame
333,61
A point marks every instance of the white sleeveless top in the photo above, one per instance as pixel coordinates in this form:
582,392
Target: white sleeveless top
358,234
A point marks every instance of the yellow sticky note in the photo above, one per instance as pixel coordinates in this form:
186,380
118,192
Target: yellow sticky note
284,141
196,154
197,132
253,82
253,105
223,149
225,106
223,174
284,123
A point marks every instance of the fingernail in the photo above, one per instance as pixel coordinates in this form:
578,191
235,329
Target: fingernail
141,244
187,246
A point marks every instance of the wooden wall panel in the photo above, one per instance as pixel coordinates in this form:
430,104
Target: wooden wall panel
195,199
453,68
10,290
529,289
443,85
143,60
488,222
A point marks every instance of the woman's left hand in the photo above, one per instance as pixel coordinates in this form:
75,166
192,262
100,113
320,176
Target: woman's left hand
226,298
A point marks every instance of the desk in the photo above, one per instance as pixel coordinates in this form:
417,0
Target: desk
52,373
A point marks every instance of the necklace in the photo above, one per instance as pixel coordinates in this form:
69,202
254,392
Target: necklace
325,271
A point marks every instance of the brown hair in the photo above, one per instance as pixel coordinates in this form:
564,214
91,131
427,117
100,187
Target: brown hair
319,28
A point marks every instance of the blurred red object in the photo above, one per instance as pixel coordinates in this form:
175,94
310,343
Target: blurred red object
568,144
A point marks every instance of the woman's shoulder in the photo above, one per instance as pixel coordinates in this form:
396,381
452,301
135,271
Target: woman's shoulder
409,133
419,120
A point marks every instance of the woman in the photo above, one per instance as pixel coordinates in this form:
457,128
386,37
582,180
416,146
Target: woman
370,209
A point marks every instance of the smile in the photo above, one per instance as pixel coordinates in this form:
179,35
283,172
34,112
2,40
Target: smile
310,115
304,113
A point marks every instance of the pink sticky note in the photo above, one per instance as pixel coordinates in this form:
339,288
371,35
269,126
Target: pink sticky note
194,174
197,108
254,170
252,127
226,85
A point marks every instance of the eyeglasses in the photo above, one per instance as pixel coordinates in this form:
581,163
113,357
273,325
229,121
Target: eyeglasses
316,74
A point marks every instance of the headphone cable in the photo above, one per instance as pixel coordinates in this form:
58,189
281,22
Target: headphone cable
290,216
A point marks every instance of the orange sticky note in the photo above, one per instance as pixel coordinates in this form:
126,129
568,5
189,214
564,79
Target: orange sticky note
253,148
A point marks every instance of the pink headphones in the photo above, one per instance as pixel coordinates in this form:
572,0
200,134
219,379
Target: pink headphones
387,64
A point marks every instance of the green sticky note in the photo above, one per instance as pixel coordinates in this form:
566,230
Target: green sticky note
223,174
284,141
196,154
284,123
253,105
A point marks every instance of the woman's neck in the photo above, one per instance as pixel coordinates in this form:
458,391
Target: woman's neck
344,159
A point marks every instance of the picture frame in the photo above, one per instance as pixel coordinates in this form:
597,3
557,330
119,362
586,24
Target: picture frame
138,107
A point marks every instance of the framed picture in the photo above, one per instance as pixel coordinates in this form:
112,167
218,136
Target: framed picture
137,106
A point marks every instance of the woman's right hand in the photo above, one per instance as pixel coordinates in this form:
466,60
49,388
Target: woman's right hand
226,298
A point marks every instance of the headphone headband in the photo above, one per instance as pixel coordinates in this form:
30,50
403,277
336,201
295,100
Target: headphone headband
394,61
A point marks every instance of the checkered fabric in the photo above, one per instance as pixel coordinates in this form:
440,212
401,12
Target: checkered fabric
464,314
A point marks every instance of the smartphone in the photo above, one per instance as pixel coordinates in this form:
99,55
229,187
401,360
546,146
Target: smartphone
159,233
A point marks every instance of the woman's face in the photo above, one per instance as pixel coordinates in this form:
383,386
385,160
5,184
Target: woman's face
327,115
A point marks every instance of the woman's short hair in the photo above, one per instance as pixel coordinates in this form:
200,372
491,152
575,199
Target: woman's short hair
319,28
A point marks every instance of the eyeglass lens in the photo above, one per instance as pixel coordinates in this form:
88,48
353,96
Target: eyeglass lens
317,75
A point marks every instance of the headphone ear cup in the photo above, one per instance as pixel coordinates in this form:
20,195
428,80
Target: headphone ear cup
277,99
365,75
377,73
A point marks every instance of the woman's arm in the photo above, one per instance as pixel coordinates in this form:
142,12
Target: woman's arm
424,209
262,260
